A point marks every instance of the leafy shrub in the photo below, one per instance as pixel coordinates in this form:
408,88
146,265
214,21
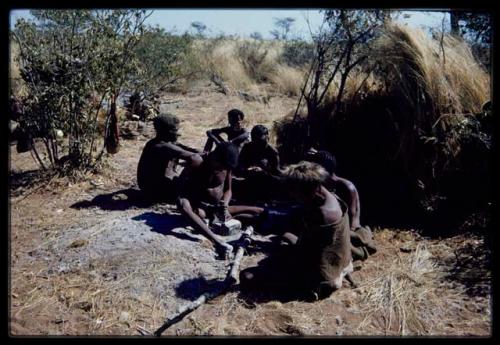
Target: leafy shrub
297,53
164,60
254,57
76,63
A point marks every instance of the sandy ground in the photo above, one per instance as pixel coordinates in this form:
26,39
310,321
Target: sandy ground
89,258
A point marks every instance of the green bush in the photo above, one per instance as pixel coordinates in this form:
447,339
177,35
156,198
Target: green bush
252,56
297,53
73,62
164,60
76,63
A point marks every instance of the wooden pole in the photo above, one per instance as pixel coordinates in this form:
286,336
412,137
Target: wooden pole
231,278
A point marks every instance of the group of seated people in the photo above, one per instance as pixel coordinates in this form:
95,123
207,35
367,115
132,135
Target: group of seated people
322,241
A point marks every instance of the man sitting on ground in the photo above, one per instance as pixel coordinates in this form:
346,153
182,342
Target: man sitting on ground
236,134
320,257
361,237
205,182
155,170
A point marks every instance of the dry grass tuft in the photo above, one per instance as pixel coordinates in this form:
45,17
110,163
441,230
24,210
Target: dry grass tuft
219,57
410,292
97,297
244,64
288,80
397,297
445,71
432,76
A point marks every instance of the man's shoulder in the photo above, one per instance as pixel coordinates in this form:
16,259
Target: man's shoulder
164,144
247,147
271,150
222,129
162,147
196,160
150,144
340,181
241,131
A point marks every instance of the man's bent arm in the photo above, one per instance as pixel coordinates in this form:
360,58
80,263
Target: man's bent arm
240,138
215,133
187,148
354,204
179,152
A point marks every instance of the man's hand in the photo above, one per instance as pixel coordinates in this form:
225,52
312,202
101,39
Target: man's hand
225,251
312,151
255,168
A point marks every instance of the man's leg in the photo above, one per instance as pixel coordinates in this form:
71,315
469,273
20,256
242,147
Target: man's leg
208,145
365,236
245,212
290,238
199,225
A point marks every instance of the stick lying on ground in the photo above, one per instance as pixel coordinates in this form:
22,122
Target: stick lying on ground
231,278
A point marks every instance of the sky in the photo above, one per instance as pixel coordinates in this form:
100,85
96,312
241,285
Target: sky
243,22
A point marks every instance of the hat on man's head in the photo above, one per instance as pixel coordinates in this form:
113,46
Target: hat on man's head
166,123
258,132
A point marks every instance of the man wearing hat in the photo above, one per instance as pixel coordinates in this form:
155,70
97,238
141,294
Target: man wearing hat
155,170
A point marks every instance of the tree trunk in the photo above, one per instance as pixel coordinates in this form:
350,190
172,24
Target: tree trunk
455,28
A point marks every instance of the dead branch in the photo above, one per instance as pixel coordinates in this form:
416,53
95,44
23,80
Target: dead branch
217,80
245,240
231,278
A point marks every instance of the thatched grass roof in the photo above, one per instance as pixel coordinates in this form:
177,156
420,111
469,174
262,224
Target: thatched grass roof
408,119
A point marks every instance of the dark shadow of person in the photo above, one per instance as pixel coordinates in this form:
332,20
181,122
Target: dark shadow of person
191,289
471,266
276,289
21,182
168,224
121,200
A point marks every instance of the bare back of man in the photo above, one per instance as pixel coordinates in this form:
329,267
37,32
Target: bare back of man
155,168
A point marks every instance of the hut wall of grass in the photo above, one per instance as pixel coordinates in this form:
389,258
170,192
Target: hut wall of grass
414,137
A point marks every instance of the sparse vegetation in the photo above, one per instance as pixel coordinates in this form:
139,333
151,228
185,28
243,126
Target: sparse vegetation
163,60
405,113
254,58
283,28
297,53
71,63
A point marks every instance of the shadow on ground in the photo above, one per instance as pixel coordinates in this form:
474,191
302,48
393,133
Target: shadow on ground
472,268
20,182
119,201
167,224
191,289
